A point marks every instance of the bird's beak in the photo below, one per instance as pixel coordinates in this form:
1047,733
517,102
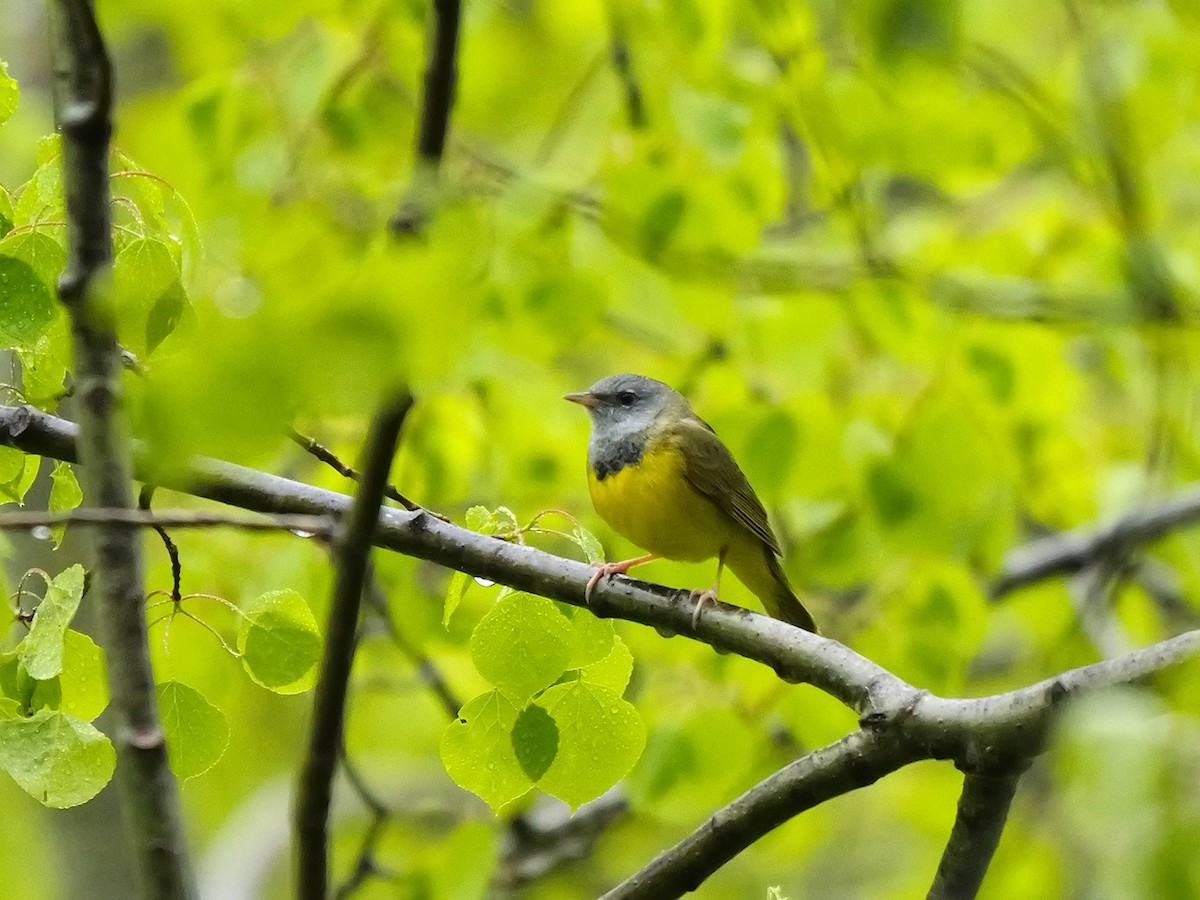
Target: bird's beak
583,398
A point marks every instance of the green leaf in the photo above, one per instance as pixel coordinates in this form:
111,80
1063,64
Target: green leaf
27,307
522,645
42,198
459,582
42,253
477,750
593,552
600,737
30,694
6,212
535,740
197,732
148,293
83,679
12,464
9,93
591,639
57,759
482,519
280,642
612,672
44,366
18,486
42,648
65,495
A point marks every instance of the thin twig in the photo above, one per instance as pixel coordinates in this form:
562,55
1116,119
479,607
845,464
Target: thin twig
352,547
150,795
327,456
144,499
982,812
306,525
429,673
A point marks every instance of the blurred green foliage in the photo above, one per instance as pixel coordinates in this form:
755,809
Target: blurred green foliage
897,253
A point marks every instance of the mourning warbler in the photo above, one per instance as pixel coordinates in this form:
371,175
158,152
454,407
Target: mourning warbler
660,476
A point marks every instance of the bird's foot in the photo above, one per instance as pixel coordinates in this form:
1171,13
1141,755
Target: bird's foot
603,570
709,595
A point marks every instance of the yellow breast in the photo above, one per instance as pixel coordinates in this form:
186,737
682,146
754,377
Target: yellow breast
653,505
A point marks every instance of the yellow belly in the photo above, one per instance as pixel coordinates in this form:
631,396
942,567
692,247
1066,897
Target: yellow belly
655,507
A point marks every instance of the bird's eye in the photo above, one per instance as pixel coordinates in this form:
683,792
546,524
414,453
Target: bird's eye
626,398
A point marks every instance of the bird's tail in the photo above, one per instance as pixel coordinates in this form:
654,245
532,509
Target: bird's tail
764,575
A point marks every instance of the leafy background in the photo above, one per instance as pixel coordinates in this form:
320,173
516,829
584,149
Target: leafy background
900,255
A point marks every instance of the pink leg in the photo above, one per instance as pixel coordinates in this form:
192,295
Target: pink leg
710,595
603,570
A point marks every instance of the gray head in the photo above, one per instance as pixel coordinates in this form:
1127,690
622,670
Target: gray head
625,411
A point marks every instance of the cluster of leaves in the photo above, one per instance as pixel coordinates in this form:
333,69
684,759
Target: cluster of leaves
555,717
53,686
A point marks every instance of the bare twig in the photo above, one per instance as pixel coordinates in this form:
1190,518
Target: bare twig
1071,551
327,456
145,496
428,672
304,524
982,812
352,547
149,791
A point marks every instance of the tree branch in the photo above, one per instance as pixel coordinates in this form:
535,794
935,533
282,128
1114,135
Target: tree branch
902,723
149,791
1071,551
857,760
327,456
352,548
174,518
441,76
982,812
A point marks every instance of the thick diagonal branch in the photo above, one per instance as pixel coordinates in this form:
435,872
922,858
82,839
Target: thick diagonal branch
901,723
352,549
149,791
982,812
859,759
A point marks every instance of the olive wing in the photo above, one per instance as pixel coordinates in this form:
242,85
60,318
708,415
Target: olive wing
712,470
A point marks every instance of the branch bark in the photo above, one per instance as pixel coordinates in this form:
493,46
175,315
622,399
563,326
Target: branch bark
982,812
857,760
352,549
441,77
170,518
1072,551
148,787
901,723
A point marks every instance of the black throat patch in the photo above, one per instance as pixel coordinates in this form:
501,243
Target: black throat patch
612,457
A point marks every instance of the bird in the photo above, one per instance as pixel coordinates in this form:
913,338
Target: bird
660,477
